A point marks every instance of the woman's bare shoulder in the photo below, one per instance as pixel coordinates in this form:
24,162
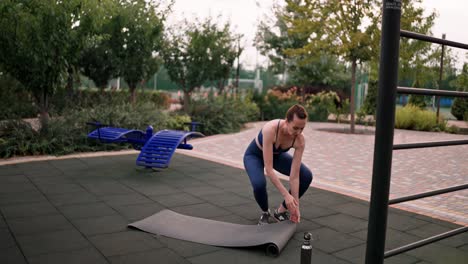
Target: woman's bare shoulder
270,126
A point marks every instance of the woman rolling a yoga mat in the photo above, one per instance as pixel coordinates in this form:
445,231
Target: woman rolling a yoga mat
267,153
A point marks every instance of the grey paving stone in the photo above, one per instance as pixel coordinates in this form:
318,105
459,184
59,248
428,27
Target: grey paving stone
182,182
176,199
226,183
202,190
6,239
38,224
225,199
59,188
99,161
402,259
330,241
85,255
86,210
434,253
248,211
436,221
357,255
43,180
432,229
203,210
328,200
16,178
342,223
3,224
12,255
36,167
107,188
290,254
403,222
152,189
307,226
354,209
319,256
123,243
313,211
50,242
125,199
186,248
68,164
8,170
393,239
101,225
6,188
137,212
24,197
28,210
73,198
165,254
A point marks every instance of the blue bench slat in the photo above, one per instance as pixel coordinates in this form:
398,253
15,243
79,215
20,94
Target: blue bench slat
165,142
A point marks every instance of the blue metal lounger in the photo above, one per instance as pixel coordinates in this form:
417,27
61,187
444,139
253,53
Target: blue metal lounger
156,150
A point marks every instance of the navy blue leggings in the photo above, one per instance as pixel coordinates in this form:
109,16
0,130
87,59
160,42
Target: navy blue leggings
254,165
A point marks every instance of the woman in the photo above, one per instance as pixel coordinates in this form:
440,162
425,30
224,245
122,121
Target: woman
268,151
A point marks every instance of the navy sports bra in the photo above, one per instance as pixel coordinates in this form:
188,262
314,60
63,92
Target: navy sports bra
275,150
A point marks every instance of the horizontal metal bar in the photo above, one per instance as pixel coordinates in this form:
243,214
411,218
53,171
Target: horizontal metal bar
426,241
427,194
423,91
430,144
413,35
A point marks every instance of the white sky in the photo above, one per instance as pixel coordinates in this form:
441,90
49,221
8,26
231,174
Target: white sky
245,14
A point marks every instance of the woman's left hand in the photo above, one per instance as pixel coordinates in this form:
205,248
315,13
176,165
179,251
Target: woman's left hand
295,215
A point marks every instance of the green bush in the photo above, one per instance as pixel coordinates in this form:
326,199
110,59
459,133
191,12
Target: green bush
319,105
418,100
15,101
460,108
223,114
369,107
277,103
68,133
414,118
89,98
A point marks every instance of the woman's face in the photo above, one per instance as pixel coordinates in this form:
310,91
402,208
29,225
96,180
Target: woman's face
296,126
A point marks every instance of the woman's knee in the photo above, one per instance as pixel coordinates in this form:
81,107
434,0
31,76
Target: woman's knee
306,175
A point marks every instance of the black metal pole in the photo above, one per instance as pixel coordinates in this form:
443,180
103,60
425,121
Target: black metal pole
431,144
426,241
409,90
441,72
388,78
428,194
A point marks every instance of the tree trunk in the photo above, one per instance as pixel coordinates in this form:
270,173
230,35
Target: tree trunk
186,101
133,95
70,82
44,111
353,88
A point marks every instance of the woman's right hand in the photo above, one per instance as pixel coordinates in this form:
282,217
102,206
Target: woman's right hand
291,203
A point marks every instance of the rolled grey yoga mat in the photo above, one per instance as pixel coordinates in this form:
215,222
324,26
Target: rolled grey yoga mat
171,224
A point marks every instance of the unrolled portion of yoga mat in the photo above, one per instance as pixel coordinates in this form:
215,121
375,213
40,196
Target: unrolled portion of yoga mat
171,224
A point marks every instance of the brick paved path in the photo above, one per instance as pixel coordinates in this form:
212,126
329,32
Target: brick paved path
343,163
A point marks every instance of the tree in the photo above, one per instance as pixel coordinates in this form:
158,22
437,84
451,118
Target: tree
35,43
460,105
333,27
136,37
97,60
198,52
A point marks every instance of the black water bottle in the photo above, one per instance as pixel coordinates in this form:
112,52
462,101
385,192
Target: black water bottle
306,249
